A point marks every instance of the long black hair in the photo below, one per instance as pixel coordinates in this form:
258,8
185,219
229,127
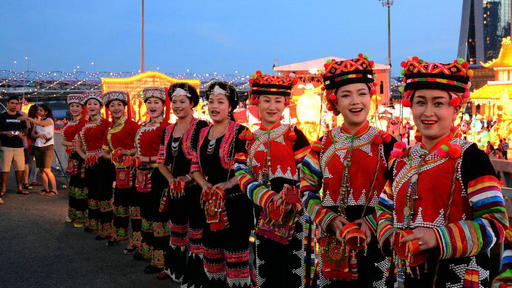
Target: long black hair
48,110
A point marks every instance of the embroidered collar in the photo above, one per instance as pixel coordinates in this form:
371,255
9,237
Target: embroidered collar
443,141
361,131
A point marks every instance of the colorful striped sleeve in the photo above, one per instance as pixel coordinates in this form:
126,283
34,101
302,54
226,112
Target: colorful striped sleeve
504,279
487,227
384,214
258,193
310,184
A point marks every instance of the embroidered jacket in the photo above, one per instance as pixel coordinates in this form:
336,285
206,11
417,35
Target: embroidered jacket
147,138
323,170
121,136
288,147
477,218
93,134
72,129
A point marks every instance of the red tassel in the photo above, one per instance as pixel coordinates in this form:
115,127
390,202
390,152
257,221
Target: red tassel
387,138
292,136
255,101
332,97
406,102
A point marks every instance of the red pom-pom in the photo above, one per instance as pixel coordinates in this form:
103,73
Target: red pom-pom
396,154
255,101
400,145
249,137
326,65
455,101
454,129
466,95
292,136
387,138
242,137
322,88
465,65
251,81
403,64
454,151
416,59
377,140
294,82
371,63
287,103
332,97
360,55
441,152
406,103
258,72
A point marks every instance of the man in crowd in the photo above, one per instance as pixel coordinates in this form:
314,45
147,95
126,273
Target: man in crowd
11,145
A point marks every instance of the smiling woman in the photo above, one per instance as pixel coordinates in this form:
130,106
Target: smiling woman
349,164
443,209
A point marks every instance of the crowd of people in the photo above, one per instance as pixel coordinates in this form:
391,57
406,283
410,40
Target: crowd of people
27,145
357,208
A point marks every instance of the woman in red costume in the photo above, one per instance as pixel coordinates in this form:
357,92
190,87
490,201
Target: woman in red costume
119,148
349,164
271,180
150,183
77,211
98,171
443,209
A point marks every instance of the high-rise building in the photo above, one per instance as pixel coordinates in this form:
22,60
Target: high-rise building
484,23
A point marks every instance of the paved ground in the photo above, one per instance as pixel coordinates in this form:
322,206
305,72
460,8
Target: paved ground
38,249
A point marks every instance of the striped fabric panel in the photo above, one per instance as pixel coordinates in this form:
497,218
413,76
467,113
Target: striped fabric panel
384,212
505,277
310,184
470,237
258,193
371,221
301,154
161,155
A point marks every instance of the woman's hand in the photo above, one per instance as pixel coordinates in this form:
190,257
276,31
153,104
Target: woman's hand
223,185
367,231
336,224
426,237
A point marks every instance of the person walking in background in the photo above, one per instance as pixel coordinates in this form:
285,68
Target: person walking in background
11,130
77,210
43,132
504,148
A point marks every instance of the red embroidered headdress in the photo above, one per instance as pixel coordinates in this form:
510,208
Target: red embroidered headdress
115,95
349,71
75,98
452,77
264,84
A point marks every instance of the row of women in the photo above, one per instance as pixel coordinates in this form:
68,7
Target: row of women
355,209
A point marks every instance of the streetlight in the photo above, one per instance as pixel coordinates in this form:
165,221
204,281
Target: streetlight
26,61
388,4
92,64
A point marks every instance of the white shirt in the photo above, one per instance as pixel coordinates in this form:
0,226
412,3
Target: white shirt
44,130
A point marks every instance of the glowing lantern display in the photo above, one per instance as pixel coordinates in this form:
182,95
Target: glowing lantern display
134,86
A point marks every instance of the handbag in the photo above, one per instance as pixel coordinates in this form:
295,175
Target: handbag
123,178
215,209
143,180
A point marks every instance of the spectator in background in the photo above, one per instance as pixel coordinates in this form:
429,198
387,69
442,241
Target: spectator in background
11,130
43,147
30,167
504,148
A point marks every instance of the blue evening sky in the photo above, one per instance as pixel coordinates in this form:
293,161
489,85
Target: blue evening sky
221,36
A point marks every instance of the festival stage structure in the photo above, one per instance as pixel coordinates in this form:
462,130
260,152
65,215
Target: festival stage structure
135,84
493,102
